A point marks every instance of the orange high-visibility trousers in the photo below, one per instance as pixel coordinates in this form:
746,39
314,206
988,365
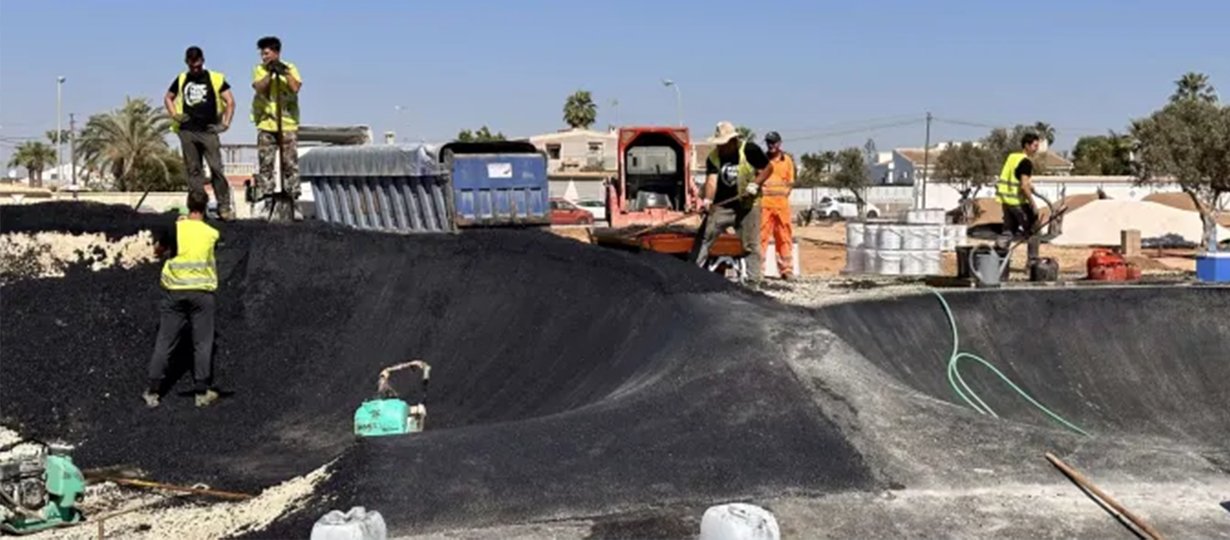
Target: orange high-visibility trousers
775,224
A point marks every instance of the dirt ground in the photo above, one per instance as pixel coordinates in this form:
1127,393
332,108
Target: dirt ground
822,253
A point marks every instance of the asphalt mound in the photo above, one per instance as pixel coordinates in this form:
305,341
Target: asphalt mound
1113,360
567,379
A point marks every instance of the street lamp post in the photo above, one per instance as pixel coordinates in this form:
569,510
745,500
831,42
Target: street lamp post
59,129
678,98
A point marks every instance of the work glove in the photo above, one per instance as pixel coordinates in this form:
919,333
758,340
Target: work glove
705,204
276,67
752,189
218,128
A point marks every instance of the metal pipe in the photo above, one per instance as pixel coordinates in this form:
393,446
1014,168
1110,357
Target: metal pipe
1087,485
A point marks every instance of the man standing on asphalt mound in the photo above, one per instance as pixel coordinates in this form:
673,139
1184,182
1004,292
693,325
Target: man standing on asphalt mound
201,106
275,111
189,279
1014,189
734,174
775,219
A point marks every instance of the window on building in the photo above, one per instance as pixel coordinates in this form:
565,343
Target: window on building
553,151
595,148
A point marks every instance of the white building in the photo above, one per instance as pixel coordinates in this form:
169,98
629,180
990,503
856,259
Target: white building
578,150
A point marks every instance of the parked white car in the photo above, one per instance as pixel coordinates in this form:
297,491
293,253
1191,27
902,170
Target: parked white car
595,207
840,207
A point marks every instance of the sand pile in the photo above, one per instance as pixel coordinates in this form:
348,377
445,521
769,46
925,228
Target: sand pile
1100,223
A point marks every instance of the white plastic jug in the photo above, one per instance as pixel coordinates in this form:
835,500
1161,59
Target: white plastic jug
357,524
738,521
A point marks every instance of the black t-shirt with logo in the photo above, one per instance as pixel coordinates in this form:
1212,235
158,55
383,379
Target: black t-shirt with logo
727,171
200,103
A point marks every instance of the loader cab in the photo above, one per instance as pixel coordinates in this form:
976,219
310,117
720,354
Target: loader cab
654,181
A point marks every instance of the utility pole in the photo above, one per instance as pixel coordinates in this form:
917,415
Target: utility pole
678,98
926,160
59,130
72,152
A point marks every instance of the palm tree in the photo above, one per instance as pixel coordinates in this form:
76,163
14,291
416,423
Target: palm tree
829,158
580,110
1194,85
1046,131
35,156
125,141
745,133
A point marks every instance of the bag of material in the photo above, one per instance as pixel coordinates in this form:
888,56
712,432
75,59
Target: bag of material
738,522
357,524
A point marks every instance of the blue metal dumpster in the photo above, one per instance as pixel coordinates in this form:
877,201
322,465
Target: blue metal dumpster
497,183
417,189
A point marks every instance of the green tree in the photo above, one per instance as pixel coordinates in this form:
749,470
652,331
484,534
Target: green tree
64,134
966,167
482,135
746,133
1188,142
580,110
35,157
1002,141
851,174
1109,155
1194,86
129,144
813,169
1046,131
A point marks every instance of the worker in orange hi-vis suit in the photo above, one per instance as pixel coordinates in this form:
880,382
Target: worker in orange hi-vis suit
775,205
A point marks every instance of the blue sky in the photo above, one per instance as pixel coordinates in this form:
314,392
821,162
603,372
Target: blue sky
819,72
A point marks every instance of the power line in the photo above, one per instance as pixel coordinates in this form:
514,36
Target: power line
848,124
866,129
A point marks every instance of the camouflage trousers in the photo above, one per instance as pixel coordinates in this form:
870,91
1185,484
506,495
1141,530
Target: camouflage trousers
267,154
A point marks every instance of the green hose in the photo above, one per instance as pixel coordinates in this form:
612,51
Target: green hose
968,395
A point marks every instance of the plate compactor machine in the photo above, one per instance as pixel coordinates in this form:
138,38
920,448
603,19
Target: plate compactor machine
387,414
39,490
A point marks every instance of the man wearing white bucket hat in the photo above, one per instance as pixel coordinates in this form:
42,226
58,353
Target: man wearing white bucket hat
734,174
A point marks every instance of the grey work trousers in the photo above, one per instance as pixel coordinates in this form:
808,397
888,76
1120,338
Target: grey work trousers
746,221
177,308
198,144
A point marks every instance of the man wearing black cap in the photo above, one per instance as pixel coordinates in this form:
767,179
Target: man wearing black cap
775,206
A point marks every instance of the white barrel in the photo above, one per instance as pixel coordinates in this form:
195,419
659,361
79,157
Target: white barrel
929,216
871,260
932,236
912,262
889,262
960,235
912,238
889,237
871,235
855,261
357,524
738,521
931,263
855,234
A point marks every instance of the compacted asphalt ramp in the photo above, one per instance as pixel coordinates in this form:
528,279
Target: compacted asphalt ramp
572,382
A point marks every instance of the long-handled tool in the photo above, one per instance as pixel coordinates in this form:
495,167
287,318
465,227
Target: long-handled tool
1085,484
670,222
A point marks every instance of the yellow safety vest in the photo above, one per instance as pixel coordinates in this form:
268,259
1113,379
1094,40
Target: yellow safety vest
265,110
193,267
1008,188
745,171
215,80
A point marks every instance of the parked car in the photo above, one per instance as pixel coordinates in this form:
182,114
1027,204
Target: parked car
564,212
840,207
594,206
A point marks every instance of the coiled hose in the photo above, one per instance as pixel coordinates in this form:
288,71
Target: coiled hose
970,397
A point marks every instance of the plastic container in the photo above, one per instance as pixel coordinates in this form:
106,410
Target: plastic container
889,237
932,237
888,263
911,237
357,524
855,262
931,263
1213,267
855,234
871,260
912,263
738,521
871,235
932,216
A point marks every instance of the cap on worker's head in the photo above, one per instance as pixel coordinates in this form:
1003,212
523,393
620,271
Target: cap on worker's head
772,138
724,132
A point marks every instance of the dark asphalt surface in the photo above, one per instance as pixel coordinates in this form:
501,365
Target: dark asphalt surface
1121,360
567,379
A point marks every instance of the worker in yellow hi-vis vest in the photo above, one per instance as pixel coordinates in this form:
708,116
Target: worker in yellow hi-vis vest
189,279
734,173
201,106
1014,189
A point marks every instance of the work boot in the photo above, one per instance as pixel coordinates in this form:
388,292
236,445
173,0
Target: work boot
151,399
206,398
